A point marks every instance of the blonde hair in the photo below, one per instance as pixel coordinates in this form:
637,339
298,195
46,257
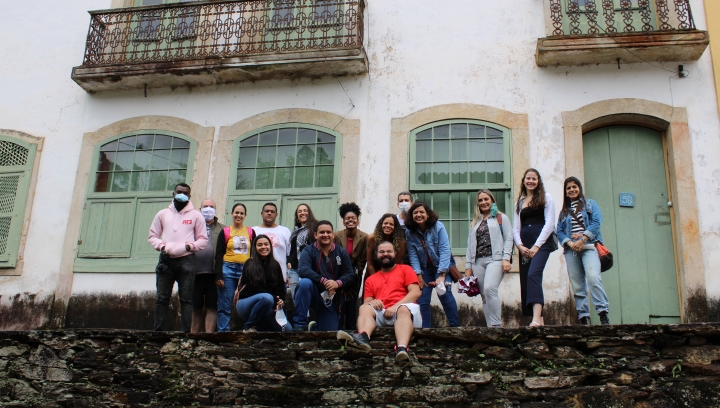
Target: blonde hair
478,214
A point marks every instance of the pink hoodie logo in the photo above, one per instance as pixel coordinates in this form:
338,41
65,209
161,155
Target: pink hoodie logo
187,222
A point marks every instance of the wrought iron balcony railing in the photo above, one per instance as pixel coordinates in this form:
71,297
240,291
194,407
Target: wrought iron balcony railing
588,32
212,31
592,17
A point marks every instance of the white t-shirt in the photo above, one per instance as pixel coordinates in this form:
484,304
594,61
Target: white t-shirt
400,220
280,237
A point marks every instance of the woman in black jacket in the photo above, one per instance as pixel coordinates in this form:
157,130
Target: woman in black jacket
261,288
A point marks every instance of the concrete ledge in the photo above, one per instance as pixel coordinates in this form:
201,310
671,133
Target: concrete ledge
214,71
560,366
656,46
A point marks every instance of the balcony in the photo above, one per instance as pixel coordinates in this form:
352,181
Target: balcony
208,43
629,31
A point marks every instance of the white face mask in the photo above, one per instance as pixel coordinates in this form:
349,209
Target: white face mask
208,213
404,207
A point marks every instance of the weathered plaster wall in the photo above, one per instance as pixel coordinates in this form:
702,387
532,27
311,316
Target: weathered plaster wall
619,366
420,57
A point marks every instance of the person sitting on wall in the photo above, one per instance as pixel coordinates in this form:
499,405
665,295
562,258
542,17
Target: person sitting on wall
323,268
178,232
390,298
261,289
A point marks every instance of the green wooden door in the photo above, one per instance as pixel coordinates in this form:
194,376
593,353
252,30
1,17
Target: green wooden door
642,285
324,207
254,206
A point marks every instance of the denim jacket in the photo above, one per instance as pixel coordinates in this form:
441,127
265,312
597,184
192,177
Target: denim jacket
592,218
438,244
501,240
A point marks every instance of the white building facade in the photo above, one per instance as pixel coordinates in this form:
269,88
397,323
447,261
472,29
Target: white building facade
352,101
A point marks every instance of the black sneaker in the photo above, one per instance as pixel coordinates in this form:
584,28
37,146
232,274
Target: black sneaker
354,341
585,321
604,319
402,358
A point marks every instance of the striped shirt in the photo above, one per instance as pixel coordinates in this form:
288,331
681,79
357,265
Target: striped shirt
577,224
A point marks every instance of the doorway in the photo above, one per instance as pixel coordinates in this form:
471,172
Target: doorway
626,173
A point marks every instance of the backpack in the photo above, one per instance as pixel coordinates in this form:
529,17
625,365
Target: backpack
226,233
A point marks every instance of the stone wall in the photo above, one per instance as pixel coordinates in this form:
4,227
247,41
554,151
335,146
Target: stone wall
619,366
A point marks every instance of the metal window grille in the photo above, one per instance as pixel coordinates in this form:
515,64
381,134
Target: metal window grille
12,154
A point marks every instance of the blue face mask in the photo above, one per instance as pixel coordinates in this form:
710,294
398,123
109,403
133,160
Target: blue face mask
181,198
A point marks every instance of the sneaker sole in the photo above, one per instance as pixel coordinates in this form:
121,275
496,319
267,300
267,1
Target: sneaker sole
402,359
347,341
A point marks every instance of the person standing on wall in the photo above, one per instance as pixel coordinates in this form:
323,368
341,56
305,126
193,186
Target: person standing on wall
279,236
355,243
489,249
387,229
578,230
178,232
405,201
301,236
231,253
261,289
429,251
205,295
390,297
533,231
324,269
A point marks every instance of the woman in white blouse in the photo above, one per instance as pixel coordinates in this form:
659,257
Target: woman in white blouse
533,232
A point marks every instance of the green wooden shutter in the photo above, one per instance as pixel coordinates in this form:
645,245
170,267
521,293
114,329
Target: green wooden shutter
254,208
324,207
9,212
107,228
16,164
146,210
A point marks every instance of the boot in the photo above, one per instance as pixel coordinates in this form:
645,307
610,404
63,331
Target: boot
585,321
604,318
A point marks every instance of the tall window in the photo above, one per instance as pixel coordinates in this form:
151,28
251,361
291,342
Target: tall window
16,164
134,176
450,161
287,164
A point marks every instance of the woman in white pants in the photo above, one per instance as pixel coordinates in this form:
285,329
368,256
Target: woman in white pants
490,243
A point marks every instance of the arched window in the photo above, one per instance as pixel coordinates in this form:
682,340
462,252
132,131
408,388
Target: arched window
133,178
16,164
286,164
450,161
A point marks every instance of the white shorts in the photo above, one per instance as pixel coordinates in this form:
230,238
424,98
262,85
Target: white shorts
414,308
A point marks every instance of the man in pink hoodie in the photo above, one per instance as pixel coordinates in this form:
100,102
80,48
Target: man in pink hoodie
177,232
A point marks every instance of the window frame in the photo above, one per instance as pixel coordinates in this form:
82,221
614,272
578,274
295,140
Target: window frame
232,186
12,248
136,261
415,188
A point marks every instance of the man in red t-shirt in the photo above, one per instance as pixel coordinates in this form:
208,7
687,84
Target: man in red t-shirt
389,301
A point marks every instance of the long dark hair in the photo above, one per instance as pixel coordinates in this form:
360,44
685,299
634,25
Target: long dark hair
538,199
264,273
398,235
311,223
567,207
410,221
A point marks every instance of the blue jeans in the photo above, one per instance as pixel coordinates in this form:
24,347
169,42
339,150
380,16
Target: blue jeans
231,276
258,311
308,296
584,270
447,300
294,278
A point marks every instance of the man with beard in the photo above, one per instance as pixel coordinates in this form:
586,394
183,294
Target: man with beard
178,232
389,302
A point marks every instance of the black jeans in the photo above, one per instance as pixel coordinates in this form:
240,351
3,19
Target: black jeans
168,271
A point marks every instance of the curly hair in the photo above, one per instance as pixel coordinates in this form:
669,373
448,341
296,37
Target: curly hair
538,199
349,207
410,221
398,235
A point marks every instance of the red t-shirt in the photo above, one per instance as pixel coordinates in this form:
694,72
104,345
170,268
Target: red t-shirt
390,287
350,246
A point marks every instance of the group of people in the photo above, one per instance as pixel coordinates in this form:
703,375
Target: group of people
395,268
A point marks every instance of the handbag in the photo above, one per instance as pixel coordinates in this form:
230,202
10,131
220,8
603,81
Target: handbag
606,257
452,270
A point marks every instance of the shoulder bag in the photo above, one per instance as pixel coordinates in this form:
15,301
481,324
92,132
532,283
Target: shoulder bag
606,257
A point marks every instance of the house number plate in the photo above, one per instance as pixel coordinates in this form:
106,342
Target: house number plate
627,200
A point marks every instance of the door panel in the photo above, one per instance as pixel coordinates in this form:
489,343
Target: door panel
145,213
642,285
105,231
324,207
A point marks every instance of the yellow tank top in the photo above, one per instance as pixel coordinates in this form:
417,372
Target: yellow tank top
238,246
